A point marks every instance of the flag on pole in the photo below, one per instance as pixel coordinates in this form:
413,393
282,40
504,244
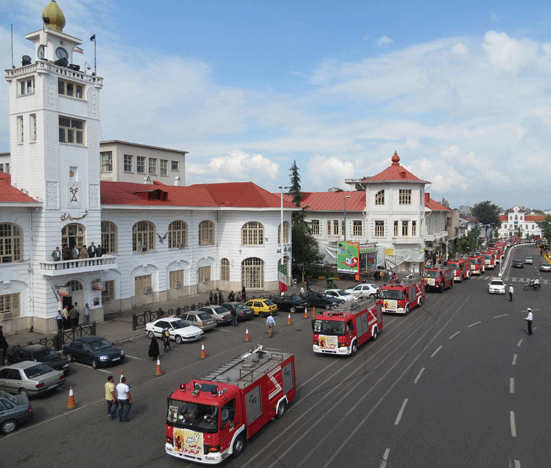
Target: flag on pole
78,49
282,275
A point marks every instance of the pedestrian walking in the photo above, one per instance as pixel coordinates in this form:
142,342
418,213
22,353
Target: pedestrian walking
234,316
111,397
529,319
124,399
243,294
59,320
166,339
86,314
154,350
3,346
270,323
511,291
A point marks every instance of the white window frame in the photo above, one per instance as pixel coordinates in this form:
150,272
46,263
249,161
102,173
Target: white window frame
315,227
379,228
140,165
32,128
20,130
70,89
26,86
164,167
152,165
65,131
106,161
128,163
404,197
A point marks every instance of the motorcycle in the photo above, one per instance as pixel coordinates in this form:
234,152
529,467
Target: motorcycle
533,285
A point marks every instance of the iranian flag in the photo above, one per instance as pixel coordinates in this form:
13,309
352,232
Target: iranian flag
282,275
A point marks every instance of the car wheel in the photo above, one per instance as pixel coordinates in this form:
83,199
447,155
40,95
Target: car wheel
94,364
372,296
8,426
150,334
354,348
281,409
375,334
293,310
238,446
69,357
21,390
178,339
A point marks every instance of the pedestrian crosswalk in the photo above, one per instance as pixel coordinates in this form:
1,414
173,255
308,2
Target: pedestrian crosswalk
509,279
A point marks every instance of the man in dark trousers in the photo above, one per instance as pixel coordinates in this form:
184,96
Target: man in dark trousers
92,251
529,319
3,346
243,294
511,291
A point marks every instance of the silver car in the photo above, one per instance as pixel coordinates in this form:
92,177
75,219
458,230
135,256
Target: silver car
33,378
199,319
219,313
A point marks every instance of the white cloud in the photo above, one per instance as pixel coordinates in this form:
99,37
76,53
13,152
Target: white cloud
460,49
384,40
508,54
324,171
240,165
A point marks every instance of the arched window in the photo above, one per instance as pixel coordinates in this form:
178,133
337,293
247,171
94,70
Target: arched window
10,243
285,233
143,236
252,233
74,285
252,273
73,234
225,269
206,233
380,197
177,235
108,237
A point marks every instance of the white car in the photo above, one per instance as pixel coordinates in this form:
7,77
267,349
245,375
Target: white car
496,286
178,329
528,261
363,289
340,294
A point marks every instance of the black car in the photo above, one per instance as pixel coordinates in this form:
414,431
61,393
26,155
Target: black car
40,353
517,263
243,312
322,300
93,350
291,303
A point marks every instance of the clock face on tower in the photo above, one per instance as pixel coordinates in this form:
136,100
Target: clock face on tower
60,53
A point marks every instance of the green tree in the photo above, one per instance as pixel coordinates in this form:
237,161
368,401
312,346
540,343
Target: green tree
469,243
361,187
487,213
545,226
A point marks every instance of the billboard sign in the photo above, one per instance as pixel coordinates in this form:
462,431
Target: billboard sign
348,257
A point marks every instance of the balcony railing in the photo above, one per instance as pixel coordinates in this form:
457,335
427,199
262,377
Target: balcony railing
41,66
79,265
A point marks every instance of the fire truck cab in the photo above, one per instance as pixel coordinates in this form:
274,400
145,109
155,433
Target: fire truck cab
489,260
402,295
343,330
211,417
438,278
477,264
461,269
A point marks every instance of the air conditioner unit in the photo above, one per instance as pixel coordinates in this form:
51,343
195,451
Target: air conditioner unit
178,285
148,290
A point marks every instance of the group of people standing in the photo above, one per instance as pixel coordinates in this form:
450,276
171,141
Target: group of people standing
69,316
217,297
72,254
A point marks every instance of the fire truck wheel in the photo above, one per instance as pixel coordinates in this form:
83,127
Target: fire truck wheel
281,409
420,302
354,348
375,334
442,288
238,445
407,309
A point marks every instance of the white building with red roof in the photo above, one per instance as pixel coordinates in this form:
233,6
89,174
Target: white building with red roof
515,221
158,241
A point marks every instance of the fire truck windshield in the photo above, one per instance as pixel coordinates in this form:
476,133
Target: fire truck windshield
200,418
329,327
391,294
430,274
456,266
488,257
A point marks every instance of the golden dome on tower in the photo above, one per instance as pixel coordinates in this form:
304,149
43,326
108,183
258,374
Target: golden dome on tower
53,17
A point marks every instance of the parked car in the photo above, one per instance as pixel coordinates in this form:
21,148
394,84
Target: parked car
545,267
202,320
179,330
364,289
340,294
40,353
517,263
322,300
292,303
262,307
243,312
93,350
14,410
528,261
496,286
221,314
31,377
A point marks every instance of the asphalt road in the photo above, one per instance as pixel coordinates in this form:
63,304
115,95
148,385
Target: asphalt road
456,383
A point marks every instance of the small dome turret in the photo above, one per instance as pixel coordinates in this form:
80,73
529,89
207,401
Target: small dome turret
395,159
53,17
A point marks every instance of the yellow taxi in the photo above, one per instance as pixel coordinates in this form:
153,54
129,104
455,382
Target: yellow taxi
262,306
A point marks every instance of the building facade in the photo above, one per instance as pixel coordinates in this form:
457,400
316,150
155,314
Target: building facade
515,222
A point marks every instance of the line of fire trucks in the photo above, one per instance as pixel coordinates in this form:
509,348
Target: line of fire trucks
210,418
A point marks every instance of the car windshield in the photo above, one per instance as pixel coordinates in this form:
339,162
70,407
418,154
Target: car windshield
391,293
497,283
45,355
100,344
431,274
528,258
10,398
179,324
329,327
241,306
37,371
200,418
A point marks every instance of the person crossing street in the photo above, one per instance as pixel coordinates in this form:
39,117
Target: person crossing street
270,323
529,319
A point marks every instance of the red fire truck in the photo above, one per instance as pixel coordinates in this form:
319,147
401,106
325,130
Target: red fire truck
211,417
438,278
489,260
477,264
402,295
341,331
461,268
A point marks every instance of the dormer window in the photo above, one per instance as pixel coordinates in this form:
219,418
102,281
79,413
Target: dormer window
70,89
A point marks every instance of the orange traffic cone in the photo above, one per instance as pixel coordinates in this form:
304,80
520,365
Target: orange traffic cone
158,371
289,320
313,312
71,403
203,354
247,338
306,312
122,375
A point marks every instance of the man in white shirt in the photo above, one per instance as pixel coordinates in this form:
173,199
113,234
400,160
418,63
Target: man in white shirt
511,291
124,399
270,323
529,319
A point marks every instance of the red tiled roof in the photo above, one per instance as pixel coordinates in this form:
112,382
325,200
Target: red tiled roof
528,218
333,201
9,194
434,205
394,173
236,195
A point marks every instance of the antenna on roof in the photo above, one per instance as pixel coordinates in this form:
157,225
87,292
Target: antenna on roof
12,65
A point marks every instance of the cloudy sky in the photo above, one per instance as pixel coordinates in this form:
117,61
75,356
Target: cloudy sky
459,89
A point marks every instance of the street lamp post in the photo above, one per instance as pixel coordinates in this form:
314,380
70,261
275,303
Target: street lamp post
281,188
348,196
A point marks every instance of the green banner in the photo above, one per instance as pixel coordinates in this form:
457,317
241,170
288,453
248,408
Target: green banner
348,257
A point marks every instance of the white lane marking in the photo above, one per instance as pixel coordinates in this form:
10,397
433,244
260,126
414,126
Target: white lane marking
438,349
519,343
473,324
401,412
385,458
135,357
513,427
498,316
104,370
419,375
455,334
514,360
512,385
517,464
